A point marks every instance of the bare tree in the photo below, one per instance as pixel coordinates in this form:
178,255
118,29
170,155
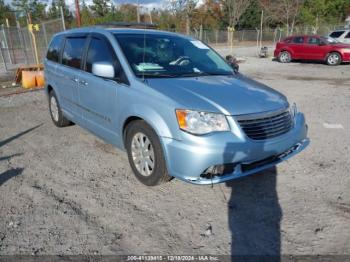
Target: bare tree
282,11
235,9
184,8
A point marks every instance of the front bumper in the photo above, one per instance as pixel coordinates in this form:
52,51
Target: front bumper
189,158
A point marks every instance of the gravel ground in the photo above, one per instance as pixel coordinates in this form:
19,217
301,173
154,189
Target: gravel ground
64,191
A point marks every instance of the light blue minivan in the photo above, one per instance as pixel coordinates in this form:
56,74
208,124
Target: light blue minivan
177,107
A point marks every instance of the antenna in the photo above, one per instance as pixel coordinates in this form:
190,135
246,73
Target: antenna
144,52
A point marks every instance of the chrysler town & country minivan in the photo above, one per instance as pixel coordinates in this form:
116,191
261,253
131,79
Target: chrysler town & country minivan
176,106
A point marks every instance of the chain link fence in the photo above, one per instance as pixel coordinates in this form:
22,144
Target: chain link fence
250,37
16,44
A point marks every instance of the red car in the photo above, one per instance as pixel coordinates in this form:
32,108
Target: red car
312,47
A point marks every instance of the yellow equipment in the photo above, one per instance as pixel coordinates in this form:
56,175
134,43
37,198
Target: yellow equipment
30,76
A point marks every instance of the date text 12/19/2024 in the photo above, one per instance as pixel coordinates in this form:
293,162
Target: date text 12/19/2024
173,258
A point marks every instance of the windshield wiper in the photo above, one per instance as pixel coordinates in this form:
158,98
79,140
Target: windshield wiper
156,75
189,74
185,74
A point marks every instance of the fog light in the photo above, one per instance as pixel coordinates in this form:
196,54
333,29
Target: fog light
218,170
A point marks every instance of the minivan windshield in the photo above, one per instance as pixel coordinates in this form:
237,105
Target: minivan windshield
162,55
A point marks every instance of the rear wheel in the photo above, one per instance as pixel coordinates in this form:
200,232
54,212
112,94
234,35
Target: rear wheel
145,154
333,59
284,57
55,111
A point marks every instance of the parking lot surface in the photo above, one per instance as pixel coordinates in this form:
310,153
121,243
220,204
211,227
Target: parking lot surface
64,191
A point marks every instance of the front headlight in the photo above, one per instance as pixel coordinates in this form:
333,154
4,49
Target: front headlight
200,123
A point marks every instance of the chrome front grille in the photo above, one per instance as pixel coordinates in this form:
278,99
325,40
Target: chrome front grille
266,126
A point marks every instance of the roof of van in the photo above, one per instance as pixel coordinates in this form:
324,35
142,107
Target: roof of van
119,30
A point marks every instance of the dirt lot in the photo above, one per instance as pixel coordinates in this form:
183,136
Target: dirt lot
64,191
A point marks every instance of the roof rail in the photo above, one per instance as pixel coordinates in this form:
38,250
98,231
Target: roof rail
129,25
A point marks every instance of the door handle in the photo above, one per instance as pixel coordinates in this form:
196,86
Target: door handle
83,83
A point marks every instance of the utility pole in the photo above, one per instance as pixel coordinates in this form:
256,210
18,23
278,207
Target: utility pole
188,17
77,13
150,16
138,11
261,28
29,17
62,18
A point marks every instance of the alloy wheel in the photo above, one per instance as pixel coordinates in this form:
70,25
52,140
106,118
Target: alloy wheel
333,59
142,154
285,57
54,108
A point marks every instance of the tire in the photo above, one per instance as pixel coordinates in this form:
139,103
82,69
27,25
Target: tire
141,141
55,111
284,57
333,59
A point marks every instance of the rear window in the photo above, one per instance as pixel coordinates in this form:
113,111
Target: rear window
53,53
348,35
73,51
336,34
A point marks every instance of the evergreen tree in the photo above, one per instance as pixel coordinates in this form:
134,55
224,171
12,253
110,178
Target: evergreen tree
251,17
5,11
54,10
100,7
33,9
86,17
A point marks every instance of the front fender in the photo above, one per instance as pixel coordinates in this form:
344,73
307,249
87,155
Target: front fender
290,50
156,119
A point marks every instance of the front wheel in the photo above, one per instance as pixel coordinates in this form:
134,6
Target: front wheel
284,57
145,154
333,59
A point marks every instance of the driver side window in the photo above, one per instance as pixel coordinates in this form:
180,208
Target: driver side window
298,40
314,41
100,50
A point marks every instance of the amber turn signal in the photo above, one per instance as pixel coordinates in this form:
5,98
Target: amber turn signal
181,118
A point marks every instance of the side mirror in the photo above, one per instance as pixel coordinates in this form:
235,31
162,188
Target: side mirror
103,69
233,63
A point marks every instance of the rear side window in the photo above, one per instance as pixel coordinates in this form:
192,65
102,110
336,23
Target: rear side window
336,34
348,35
73,51
298,40
288,40
53,53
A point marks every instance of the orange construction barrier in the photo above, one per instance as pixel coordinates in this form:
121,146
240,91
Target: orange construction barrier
26,73
28,79
40,80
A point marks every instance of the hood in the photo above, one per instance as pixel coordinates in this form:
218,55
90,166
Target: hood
231,95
